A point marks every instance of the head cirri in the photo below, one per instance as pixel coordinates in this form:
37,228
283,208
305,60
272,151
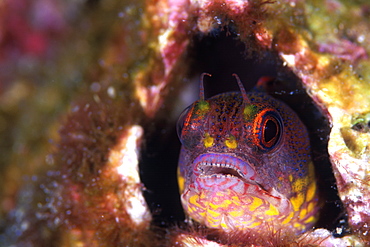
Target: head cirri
245,164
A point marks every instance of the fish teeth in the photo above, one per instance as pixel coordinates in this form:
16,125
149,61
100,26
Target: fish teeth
219,165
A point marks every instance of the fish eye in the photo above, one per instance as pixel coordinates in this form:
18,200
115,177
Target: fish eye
268,130
181,121
271,132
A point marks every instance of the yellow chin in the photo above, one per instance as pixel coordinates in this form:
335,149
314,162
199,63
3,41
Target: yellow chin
230,211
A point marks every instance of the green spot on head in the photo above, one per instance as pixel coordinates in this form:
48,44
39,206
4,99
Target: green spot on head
203,106
249,111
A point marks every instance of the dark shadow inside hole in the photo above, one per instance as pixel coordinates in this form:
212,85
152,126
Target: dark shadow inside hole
222,55
158,172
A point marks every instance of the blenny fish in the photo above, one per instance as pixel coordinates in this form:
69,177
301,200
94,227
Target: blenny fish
245,164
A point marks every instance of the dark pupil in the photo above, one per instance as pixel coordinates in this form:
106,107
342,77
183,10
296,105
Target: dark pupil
271,131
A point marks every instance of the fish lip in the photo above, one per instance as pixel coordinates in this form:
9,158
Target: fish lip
222,165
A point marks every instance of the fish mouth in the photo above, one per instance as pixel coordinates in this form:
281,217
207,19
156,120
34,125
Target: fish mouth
221,166
210,169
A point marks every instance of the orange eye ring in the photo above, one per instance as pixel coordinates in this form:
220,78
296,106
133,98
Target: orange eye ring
267,129
189,127
183,121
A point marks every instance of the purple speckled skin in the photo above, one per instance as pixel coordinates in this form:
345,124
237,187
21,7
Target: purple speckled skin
246,165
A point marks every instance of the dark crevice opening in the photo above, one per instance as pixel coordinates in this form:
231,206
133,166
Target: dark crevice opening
158,168
221,55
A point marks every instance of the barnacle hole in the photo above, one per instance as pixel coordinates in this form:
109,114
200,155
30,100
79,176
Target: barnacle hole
221,53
